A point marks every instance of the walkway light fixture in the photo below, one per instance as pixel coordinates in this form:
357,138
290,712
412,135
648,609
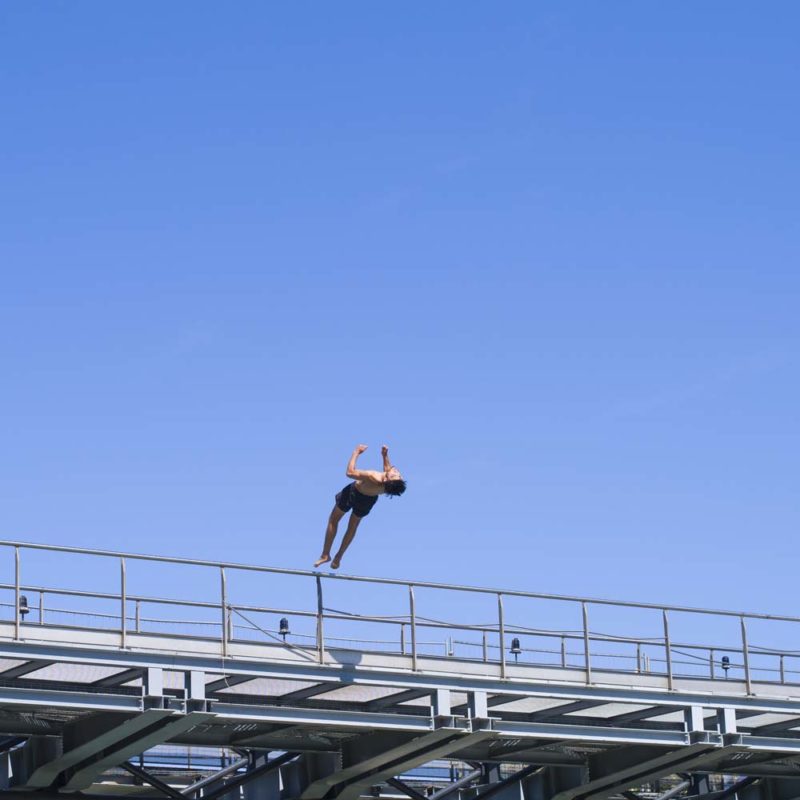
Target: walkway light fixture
515,648
283,629
24,608
726,665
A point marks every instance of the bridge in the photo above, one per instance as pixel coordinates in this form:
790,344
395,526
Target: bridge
125,675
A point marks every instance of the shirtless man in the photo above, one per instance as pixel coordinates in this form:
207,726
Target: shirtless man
359,496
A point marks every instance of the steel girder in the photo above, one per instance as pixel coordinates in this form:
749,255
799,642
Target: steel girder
104,742
618,770
343,675
391,738
372,762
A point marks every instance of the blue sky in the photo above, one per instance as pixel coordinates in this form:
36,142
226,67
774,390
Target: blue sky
548,252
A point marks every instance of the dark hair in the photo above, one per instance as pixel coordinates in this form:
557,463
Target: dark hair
394,488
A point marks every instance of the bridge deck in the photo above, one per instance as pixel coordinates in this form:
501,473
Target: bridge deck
77,702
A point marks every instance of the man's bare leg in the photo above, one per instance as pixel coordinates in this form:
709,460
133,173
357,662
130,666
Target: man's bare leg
352,527
330,535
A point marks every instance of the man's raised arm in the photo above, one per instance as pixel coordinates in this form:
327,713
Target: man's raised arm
352,472
387,464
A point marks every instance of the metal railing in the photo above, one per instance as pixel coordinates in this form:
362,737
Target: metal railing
496,642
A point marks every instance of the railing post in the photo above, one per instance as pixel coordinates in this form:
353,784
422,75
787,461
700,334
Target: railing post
563,651
402,638
586,653
16,593
223,610
746,656
138,616
41,608
123,602
412,607
667,648
501,627
639,658
711,663
783,673
320,628
485,644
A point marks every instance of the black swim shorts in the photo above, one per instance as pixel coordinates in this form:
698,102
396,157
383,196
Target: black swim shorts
350,497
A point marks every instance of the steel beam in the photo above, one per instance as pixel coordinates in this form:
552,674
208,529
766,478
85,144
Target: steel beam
216,777
590,733
406,789
465,780
636,716
46,774
228,682
24,669
289,697
768,743
776,727
119,679
637,768
145,776
394,759
395,699
355,788
309,691
517,777
675,790
251,775
326,718
568,708
85,773
25,724
31,699
534,751
374,676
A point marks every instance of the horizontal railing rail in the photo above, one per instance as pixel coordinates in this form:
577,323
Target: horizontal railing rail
500,640
331,576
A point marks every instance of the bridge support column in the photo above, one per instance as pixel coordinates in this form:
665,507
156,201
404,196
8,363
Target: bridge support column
699,784
308,769
726,720
441,704
547,782
694,719
266,786
195,688
478,706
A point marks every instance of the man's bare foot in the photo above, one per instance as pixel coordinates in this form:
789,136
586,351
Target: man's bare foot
322,560
336,562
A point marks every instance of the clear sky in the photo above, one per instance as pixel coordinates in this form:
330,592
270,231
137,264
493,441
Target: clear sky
548,252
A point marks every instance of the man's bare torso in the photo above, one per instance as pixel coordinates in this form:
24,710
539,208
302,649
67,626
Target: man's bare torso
370,483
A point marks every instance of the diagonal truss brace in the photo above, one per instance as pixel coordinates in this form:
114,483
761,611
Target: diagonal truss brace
145,776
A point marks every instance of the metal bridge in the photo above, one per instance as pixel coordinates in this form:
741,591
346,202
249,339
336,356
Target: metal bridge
154,677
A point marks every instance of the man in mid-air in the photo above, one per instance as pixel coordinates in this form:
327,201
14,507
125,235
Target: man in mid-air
359,497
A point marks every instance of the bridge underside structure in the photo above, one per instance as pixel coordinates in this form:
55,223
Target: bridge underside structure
122,713
82,718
